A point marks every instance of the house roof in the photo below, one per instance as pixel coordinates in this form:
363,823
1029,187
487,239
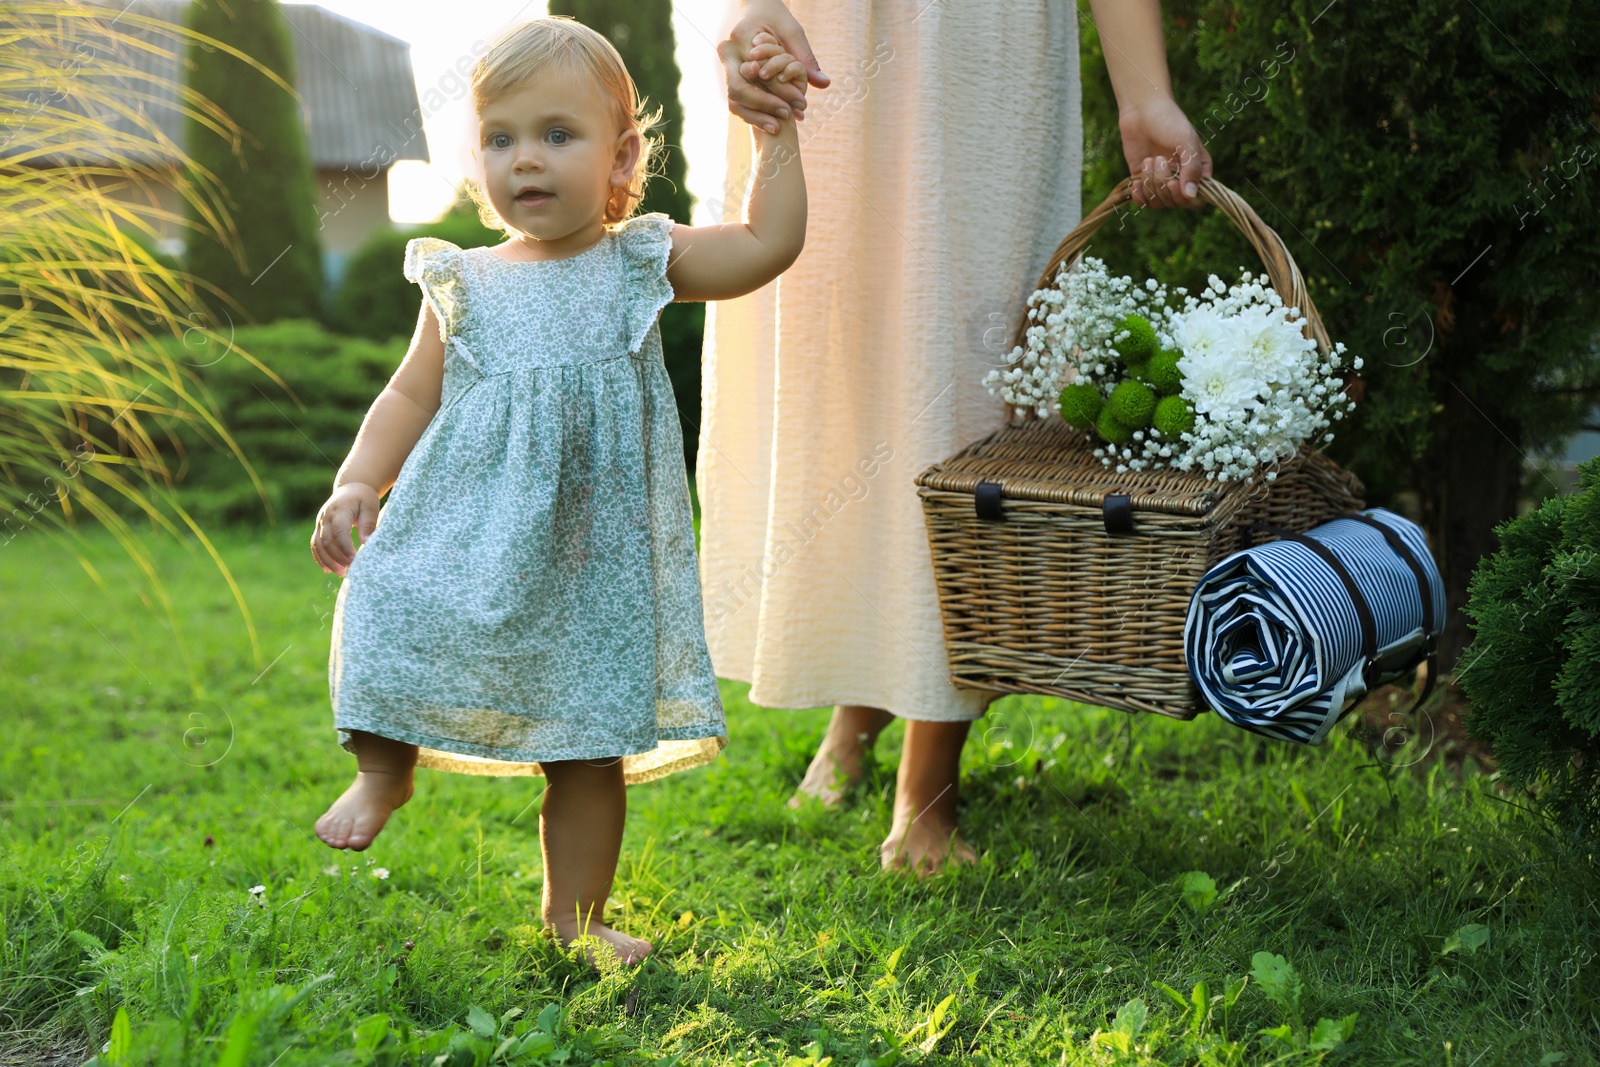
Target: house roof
359,95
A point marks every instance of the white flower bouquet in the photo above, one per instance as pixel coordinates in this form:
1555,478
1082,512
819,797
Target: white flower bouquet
1225,384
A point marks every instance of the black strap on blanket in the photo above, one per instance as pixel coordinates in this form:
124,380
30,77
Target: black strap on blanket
1369,625
1424,590
1369,629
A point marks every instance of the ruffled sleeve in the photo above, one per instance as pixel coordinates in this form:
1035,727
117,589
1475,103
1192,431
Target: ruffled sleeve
646,242
435,264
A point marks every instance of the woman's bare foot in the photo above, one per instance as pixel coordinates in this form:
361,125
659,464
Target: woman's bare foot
924,837
600,942
356,817
837,764
925,847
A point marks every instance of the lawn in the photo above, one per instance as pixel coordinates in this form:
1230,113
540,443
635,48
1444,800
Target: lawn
151,779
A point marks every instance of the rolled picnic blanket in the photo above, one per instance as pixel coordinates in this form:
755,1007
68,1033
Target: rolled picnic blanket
1281,637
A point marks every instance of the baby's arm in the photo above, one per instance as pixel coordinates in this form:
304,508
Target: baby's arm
721,262
391,429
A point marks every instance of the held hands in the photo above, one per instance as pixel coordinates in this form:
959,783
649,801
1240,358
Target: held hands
351,504
1164,152
775,70
780,93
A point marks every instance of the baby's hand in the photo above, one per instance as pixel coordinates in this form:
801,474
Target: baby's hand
352,504
768,63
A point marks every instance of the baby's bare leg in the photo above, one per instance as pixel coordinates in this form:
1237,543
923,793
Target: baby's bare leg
383,782
580,828
837,764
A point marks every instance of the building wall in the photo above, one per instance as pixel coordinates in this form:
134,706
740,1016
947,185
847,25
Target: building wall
352,207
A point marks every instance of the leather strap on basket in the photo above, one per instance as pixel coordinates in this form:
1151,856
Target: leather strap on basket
1282,270
986,501
1116,510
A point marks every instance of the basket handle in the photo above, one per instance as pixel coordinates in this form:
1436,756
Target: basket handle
1282,270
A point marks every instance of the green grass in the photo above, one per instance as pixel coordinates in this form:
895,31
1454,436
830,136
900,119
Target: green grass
147,783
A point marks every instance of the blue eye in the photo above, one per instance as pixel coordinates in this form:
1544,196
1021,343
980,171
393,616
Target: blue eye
557,136
495,138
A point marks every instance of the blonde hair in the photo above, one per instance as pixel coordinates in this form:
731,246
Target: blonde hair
563,43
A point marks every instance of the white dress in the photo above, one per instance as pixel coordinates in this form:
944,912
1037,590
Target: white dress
943,166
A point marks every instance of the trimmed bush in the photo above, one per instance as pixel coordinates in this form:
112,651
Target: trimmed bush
1532,671
295,442
267,176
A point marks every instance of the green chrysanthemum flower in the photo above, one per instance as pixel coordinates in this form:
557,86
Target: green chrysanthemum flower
1109,428
1163,374
1080,404
1140,344
1174,416
1132,403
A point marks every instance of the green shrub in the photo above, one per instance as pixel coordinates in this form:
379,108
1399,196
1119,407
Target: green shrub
1532,671
294,442
266,174
375,299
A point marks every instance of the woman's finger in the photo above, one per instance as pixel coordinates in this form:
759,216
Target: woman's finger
754,117
744,96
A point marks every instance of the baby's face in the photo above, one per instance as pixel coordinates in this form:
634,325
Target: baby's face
551,150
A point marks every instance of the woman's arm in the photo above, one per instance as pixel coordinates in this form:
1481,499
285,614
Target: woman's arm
1158,141
734,258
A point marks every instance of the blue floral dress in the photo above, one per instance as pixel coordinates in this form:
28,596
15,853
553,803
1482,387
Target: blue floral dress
531,590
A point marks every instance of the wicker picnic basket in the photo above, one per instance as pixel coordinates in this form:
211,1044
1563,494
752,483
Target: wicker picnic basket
1057,575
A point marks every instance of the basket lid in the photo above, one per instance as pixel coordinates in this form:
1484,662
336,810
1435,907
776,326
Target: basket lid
1049,461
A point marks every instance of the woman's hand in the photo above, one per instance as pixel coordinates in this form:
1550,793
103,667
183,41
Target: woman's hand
760,105
1164,152
352,504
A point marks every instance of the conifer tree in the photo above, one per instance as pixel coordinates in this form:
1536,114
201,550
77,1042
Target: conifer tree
266,176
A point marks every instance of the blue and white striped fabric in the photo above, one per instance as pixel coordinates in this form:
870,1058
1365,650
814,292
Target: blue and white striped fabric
1273,639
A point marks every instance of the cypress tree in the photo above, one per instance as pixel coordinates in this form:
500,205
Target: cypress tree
276,269
1432,168
641,31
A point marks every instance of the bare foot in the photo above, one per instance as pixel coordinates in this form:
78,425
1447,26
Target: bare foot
926,846
837,765
601,942
356,817
829,777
